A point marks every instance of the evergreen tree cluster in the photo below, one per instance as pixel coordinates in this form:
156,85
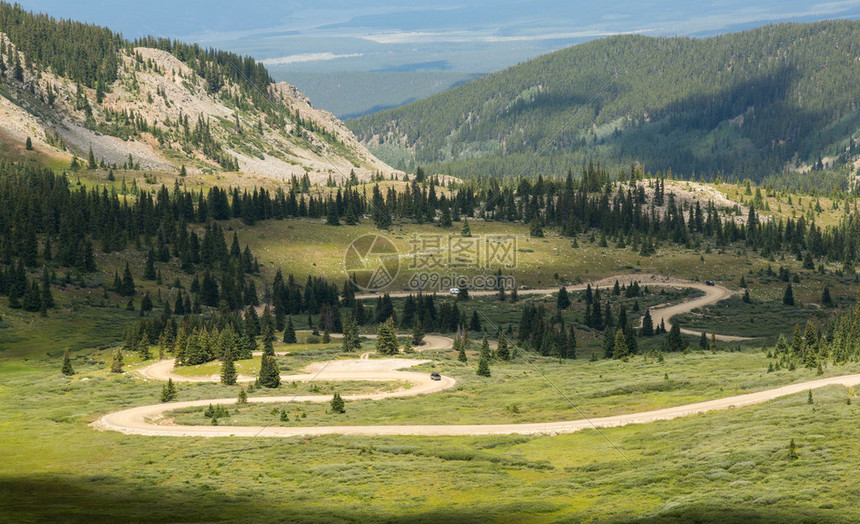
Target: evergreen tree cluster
196,339
841,339
546,334
811,349
23,293
85,53
421,310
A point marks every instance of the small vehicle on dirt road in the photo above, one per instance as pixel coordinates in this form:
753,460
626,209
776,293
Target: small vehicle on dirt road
435,376
709,283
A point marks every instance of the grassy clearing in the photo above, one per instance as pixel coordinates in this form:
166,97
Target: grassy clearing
676,470
300,356
538,259
74,327
54,467
521,392
766,316
794,205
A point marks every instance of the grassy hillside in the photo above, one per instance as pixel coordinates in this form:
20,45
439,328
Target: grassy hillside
671,471
57,467
743,104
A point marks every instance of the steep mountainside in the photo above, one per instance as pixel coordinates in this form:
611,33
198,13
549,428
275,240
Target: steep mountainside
747,104
160,105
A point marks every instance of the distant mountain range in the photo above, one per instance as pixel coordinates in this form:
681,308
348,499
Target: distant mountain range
354,94
746,104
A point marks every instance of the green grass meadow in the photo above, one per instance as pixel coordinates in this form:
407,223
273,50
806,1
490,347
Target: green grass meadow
717,467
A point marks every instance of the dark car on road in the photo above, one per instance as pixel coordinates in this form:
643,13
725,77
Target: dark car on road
435,376
709,283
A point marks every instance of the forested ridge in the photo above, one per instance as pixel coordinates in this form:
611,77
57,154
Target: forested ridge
60,70
89,54
740,104
47,222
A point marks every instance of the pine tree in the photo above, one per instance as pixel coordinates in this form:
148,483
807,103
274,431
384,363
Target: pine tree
331,214
461,349
17,71
536,228
28,145
228,370
91,160
67,364
149,271
386,339
168,391
619,349
348,328
116,364
647,324
270,375
417,333
826,300
143,347
475,322
609,342
713,345
350,218
127,285
502,350
746,298
483,367
466,231
290,332
268,338
788,296
337,404
145,304
808,263
563,301
485,348
243,397
46,296
792,451
675,342
703,341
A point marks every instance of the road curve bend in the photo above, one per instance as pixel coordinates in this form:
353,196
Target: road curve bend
143,420
711,295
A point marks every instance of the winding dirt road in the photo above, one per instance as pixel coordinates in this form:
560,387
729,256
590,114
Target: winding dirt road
712,295
145,420
163,369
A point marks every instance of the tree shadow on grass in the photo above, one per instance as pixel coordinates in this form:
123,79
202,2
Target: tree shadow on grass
752,514
68,498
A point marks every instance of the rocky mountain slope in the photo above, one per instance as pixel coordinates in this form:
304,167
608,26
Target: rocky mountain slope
160,114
